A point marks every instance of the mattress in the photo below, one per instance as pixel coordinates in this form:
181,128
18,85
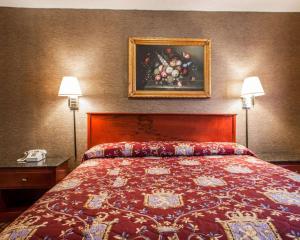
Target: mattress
167,190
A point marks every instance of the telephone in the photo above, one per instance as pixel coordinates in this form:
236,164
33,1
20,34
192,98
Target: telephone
34,155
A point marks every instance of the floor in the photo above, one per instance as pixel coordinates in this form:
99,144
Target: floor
2,226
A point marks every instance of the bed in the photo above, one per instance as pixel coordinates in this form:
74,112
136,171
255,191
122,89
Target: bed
166,176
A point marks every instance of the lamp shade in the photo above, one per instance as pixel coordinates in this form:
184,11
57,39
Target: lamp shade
252,87
69,87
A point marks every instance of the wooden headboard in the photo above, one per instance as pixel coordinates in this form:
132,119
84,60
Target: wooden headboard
116,127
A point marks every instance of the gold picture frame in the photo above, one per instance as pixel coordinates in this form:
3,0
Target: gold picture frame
169,68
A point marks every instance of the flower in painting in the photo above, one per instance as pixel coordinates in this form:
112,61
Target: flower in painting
169,67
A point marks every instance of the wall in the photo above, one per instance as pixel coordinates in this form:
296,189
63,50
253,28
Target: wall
39,46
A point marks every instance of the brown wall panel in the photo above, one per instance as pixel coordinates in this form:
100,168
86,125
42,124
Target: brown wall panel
39,46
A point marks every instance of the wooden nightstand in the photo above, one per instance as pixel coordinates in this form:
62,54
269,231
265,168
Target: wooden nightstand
21,184
291,165
286,160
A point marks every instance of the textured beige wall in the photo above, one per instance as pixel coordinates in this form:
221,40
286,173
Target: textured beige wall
38,47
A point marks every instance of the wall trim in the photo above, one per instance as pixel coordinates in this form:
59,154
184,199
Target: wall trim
172,5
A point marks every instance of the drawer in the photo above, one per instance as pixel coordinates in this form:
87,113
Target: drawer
37,178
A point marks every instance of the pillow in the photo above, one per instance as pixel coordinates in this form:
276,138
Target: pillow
164,148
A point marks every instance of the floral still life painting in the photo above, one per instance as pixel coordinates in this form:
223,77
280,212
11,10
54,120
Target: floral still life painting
170,68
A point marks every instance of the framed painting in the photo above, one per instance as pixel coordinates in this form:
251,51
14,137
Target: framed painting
169,68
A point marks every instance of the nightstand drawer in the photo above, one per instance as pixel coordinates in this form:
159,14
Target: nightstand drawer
39,178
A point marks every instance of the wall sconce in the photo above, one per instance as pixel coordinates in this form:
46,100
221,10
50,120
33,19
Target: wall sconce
70,88
251,89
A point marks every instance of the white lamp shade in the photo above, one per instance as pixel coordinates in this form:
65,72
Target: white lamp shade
252,87
69,87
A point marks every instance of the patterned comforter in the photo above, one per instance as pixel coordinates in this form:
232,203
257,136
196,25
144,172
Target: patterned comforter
167,190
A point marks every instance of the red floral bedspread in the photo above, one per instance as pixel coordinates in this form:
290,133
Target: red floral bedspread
182,196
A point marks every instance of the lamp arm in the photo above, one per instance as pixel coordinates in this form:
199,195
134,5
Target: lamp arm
74,135
73,102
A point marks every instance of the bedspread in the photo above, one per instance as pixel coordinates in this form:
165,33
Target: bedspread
172,197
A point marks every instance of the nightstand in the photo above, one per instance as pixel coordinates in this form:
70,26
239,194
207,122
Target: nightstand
21,184
286,160
290,165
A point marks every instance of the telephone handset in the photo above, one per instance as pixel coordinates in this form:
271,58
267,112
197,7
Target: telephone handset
34,155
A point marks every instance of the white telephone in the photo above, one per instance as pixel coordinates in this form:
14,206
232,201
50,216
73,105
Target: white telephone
34,155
